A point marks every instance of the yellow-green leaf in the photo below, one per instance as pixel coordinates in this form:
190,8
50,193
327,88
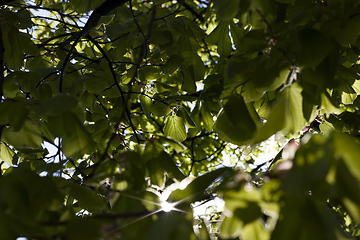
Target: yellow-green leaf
175,128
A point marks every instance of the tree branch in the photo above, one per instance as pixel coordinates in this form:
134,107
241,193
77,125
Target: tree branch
2,78
126,110
190,9
100,11
125,100
126,215
4,2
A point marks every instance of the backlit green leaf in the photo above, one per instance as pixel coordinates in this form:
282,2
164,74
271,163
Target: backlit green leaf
178,147
193,60
172,64
220,35
227,9
28,135
76,141
6,153
254,231
87,199
169,166
160,109
195,191
188,120
234,123
175,128
146,103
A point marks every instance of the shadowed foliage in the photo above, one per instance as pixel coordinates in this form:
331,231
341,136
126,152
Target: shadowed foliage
108,108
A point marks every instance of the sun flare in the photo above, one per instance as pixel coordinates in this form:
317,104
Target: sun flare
167,207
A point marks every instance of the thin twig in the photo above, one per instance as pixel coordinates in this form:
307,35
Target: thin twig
126,215
93,20
2,50
125,100
219,150
264,19
136,23
2,78
101,104
116,82
53,38
190,9
67,58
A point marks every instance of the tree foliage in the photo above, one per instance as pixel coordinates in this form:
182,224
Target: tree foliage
138,98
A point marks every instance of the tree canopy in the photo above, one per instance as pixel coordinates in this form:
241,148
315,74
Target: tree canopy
155,105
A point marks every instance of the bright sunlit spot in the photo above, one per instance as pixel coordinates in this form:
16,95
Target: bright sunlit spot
167,207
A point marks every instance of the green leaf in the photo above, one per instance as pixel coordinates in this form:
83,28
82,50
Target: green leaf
175,128
92,225
231,228
188,83
313,47
310,168
276,121
220,35
195,115
105,20
194,28
204,233
348,33
194,61
195,191
6,153
160,109
319,225
57,105
348,94
177,146
328,105
172,64
352,208
28,46
95,84
13,56
158,231
268,79
349,189
356,86
236,34
226,9
286,115
150,73
245,209
146,103
86,198
254,231
14,113
167,163
252,41
29,135
207,119
293,111
234,123
185,115
347,147
240,72
160,1
76,141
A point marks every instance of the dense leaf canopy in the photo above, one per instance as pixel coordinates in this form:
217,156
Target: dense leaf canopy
111,107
